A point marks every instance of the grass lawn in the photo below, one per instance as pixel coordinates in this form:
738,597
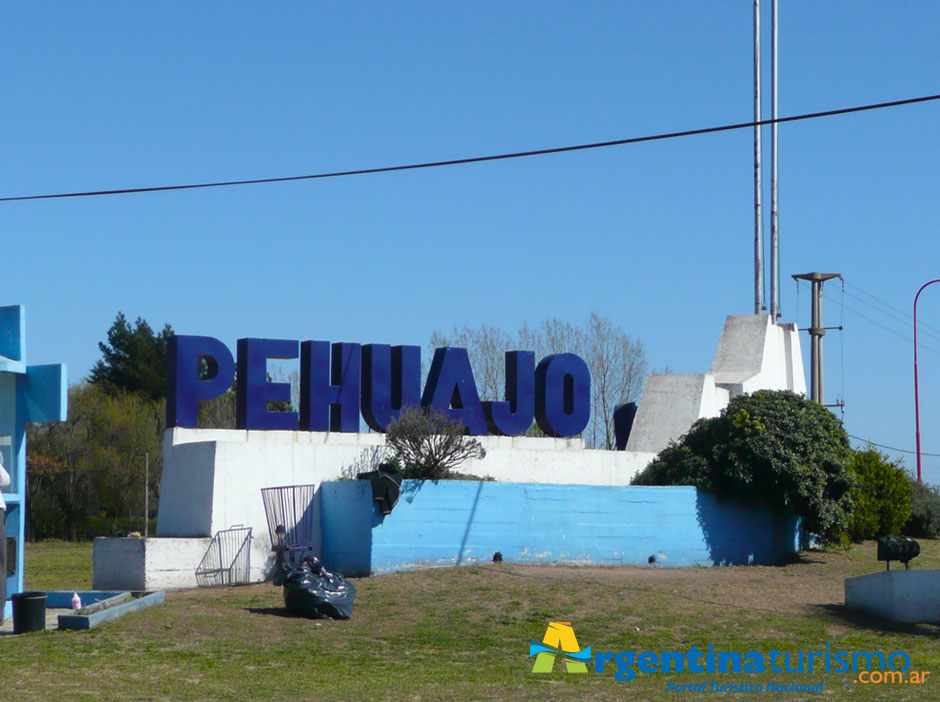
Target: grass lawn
462,634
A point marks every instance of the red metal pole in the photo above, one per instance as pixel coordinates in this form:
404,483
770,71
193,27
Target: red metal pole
916,393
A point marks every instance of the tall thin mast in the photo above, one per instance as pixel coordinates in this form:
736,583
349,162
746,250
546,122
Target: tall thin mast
758,213
774,232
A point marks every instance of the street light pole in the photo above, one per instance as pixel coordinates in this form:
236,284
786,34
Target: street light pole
916,393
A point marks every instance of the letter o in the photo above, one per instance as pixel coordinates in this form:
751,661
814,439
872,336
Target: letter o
880,677
562,395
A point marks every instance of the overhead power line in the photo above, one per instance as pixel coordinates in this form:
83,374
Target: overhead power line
908,319
892,448
482,159
879,324
896,318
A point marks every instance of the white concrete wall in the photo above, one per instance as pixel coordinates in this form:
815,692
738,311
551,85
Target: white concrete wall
212,479
164,564
898,595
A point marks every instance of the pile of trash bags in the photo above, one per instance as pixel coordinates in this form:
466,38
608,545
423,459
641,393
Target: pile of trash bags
310,590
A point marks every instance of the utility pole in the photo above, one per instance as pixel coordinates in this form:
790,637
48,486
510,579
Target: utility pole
816,332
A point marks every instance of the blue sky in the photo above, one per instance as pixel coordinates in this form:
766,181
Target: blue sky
656,236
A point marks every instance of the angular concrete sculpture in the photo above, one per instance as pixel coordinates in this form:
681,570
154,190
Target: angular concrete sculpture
753,354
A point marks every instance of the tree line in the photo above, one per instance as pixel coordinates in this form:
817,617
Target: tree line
88,476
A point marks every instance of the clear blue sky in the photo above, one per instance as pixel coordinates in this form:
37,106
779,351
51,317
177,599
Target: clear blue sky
657,236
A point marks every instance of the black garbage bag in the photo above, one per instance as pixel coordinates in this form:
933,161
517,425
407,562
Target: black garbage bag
312,591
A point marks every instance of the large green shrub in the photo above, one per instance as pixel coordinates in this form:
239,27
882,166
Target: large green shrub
882,496
924,521
773,448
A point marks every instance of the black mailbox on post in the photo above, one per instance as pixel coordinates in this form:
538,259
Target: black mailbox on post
897,548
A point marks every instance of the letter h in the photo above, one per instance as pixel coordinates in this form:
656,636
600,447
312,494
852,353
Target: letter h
329,386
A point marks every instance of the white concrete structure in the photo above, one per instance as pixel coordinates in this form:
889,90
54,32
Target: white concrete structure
163,564
753,354
212,479
898,595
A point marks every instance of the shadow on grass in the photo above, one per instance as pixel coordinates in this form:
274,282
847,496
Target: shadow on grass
800,558
280,612
862,620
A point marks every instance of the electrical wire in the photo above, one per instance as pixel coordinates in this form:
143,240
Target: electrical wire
908,317
879,324
898,316
481,159
892,448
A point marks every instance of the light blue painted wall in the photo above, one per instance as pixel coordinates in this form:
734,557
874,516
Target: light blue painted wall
27,394
455,522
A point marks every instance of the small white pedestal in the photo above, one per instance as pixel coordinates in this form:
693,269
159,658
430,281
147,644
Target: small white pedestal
898,595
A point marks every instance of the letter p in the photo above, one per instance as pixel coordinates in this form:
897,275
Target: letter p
184,386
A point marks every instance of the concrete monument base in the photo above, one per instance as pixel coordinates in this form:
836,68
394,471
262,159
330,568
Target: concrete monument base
898,595
164,564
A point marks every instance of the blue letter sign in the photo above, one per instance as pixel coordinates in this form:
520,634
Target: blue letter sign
329,387
391,381
254,389
340,381
562,394
515,415
184,387
451,388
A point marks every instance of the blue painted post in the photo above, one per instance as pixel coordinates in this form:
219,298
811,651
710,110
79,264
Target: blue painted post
27,394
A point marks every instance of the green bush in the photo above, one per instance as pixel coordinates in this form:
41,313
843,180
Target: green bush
924,521
774,448
882,496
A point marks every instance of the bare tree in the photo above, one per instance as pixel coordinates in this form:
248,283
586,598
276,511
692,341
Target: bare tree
485,347
616,361
430,445
618,367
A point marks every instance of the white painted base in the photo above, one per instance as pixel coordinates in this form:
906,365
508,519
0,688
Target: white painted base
163,564
212,478
898,595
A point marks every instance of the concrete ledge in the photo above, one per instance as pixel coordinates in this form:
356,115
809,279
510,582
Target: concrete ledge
898,595
163,563
89,621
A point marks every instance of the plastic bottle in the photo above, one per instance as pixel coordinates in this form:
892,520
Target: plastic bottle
76,601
